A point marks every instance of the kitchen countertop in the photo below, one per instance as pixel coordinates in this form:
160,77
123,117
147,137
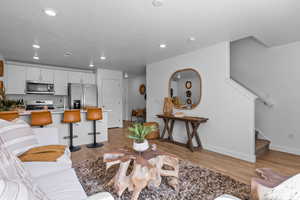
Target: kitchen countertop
55,111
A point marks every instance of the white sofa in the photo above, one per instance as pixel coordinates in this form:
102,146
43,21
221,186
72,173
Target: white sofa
58,179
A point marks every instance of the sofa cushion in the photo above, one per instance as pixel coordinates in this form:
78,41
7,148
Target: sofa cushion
37,169
11,169
63,185
17,136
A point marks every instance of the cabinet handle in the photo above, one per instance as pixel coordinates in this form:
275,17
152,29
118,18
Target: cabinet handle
97,133
68,137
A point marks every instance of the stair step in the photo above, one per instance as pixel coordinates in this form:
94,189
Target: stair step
261,147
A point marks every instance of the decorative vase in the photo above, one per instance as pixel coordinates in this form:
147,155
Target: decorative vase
168,106
140,147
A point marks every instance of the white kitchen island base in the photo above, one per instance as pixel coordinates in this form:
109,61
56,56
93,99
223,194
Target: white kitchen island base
82,131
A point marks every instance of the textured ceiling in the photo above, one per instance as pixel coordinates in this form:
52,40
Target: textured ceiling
128,32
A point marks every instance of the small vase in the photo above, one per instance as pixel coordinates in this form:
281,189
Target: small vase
140,147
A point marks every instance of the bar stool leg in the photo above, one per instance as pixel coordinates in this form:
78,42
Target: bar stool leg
71,147
94,144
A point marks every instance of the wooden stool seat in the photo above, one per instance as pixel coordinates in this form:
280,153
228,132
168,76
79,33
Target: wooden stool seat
9,115
94,114
41,118
70,117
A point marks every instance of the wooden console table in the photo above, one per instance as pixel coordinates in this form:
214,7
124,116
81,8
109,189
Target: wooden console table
195,122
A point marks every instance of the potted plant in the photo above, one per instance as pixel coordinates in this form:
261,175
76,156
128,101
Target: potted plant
138,134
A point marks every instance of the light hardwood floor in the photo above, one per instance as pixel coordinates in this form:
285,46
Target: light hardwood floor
284,163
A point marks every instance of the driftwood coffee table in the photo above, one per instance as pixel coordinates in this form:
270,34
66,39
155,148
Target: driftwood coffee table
147,169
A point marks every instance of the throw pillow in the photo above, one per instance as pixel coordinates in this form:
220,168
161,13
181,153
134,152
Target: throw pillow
289,189
17,136
11,168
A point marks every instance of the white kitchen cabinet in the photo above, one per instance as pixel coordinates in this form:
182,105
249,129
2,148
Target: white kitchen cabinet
39,74
47,75
82,77
75,77
61,82
33,74
88,78
15,79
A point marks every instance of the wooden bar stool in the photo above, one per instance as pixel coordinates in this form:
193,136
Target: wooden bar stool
70,117
94,114
41,118
9,115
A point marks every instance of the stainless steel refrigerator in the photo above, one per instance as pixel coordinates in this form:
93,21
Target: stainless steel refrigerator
82,95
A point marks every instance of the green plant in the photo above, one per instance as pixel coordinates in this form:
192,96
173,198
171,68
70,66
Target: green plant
139,132
6,105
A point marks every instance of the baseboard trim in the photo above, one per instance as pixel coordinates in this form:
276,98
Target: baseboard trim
285,149
241,156
220,150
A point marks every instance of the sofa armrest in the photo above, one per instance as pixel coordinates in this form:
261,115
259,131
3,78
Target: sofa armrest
101,196
46,136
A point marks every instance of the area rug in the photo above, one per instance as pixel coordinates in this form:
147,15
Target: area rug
194,182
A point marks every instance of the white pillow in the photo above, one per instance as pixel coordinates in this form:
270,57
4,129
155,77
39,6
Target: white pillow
13,190
17,136
289,189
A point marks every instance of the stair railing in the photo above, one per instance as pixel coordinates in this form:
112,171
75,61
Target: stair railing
265,101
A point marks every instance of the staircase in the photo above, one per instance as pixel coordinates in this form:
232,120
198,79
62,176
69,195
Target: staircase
262,146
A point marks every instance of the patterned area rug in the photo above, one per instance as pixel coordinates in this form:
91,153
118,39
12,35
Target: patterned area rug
195,183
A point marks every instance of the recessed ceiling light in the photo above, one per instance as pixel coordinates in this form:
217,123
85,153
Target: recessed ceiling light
103,58
126,75
68,54
91,65
36,46
157,3
162,46
50,12
36,58
192,39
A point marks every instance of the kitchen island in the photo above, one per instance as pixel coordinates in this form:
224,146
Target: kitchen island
82,130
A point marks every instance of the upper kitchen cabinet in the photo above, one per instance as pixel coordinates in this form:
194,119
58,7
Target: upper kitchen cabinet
88,78
75,77
33,74
82,77
47,75
39,74
61,82
15,79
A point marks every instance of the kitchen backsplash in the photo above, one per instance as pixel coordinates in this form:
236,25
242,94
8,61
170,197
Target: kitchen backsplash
59,101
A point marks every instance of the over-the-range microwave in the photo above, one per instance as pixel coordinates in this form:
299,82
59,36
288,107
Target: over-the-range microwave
35,87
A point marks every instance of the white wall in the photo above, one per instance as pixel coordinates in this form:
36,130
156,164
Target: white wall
230,108
126,115
135,99
274,73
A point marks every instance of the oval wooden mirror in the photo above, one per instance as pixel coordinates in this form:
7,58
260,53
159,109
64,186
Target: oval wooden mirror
185,88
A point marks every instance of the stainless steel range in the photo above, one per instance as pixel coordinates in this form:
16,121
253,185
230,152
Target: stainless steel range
40,105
